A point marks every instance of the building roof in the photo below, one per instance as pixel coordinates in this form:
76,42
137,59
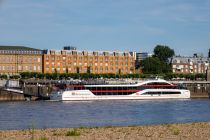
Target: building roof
17,48
190,59
80,52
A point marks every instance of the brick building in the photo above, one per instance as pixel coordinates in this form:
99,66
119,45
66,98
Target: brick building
190,65
16,59
73,61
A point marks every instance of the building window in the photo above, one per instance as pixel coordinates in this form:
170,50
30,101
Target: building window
19,67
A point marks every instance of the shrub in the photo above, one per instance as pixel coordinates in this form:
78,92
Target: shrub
73,133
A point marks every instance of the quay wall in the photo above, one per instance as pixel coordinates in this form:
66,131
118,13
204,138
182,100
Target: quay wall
198,89
34,90
11,96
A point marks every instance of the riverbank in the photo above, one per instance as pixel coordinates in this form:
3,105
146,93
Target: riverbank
190,131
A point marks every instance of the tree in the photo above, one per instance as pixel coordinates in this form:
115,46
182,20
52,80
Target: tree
163,52
88,69
154,65
67,70
77,69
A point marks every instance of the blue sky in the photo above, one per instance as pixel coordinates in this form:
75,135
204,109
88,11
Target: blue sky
112,25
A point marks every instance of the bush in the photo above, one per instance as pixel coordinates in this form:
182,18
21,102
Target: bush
73,133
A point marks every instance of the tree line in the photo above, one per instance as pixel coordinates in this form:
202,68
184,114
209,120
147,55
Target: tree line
66,76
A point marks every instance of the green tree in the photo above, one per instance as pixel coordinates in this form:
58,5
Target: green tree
154,65
67,70
163,52
77,69
88,69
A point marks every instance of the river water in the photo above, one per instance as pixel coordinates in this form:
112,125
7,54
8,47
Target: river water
47,114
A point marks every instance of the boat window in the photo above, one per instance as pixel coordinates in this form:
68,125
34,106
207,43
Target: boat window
153,93
157,83
125,88
140,88
103,88
171,92
115,88
110,88
120,88
98,88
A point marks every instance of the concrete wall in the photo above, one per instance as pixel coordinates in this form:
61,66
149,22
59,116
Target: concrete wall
9,96
2,83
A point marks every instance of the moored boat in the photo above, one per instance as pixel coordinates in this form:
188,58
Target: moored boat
151,89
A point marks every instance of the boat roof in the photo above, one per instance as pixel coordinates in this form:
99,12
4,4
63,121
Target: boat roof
138,83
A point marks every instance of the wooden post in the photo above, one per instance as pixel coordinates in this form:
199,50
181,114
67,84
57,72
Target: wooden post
208,74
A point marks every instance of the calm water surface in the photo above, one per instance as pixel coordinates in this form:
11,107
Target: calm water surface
46,114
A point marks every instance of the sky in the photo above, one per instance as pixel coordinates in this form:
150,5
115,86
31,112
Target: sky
107,25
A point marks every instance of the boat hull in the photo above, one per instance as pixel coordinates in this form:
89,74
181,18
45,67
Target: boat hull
84,95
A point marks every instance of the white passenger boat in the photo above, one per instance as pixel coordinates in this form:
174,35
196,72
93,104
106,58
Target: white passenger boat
151,89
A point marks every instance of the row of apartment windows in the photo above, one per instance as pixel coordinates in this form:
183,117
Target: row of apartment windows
85,69
20,59
85,58
15,52
190,67
85,64
12,68
189,70
88,62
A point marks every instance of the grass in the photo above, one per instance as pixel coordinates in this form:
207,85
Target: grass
173,129
73,133
109,126
32,130
57,134
43,138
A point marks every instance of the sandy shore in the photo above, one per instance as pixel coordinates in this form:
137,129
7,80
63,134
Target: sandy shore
191,131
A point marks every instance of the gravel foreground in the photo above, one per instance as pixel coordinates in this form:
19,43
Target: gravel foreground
190,131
